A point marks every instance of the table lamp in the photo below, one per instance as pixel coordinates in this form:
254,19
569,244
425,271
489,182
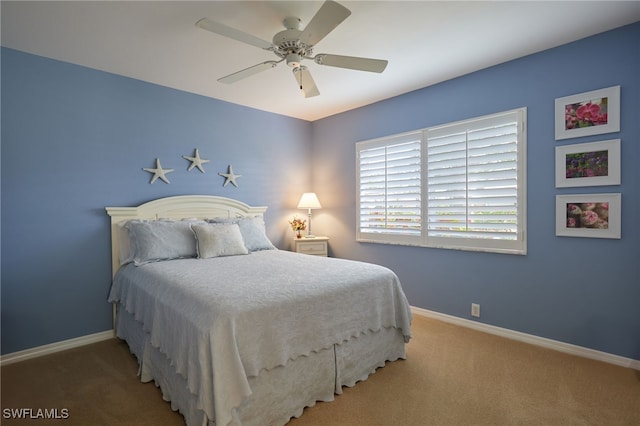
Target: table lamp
309,200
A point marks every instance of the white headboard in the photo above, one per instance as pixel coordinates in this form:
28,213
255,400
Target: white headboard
178,207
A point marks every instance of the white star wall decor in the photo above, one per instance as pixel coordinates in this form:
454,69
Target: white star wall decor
196,161
158,172
230,177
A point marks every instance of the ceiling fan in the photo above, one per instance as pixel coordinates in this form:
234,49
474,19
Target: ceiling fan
293,45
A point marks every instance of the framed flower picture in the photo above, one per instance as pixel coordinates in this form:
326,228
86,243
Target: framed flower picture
588,164
589,113
589,215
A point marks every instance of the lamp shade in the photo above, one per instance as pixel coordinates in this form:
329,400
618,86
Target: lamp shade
309,200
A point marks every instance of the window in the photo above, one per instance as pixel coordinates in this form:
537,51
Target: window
390,188
457,186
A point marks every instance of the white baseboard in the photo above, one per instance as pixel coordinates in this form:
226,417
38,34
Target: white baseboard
531,339
55,347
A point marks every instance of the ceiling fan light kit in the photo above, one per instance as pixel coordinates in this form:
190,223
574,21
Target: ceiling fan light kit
293,45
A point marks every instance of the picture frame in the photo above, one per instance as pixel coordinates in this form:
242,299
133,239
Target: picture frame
589,215
589,113
588,164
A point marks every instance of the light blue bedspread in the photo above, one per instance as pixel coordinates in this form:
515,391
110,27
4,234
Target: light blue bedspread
224,319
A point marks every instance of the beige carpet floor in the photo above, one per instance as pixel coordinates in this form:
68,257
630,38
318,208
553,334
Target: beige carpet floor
452,376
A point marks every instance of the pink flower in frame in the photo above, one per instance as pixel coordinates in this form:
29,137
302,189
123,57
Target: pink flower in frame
574,210
589,218
603,210
602,119
588,112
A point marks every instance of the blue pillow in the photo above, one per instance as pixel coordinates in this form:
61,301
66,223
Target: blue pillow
254,234
153,241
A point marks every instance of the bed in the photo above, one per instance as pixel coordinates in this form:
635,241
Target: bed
235,331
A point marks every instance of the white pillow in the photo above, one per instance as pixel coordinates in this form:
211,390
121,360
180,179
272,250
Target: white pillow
253,232
153,241
218,239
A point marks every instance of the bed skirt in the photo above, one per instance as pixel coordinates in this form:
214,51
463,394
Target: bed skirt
277,394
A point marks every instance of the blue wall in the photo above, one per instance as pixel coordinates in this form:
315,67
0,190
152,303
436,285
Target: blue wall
74,140
577,290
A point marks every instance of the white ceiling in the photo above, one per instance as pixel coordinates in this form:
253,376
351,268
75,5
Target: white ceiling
426,42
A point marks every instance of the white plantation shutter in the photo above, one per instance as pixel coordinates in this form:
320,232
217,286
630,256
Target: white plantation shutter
461,186
389,178
473,179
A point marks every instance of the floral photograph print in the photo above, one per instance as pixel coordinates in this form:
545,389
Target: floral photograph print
592,215
588,164
589,113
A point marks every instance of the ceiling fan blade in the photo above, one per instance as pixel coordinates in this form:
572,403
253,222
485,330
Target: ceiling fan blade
247,72
330,15
305,82
351,62
223,30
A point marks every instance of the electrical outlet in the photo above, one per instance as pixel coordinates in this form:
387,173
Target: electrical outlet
475,310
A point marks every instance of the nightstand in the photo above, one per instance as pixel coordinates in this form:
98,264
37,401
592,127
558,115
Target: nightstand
317,246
